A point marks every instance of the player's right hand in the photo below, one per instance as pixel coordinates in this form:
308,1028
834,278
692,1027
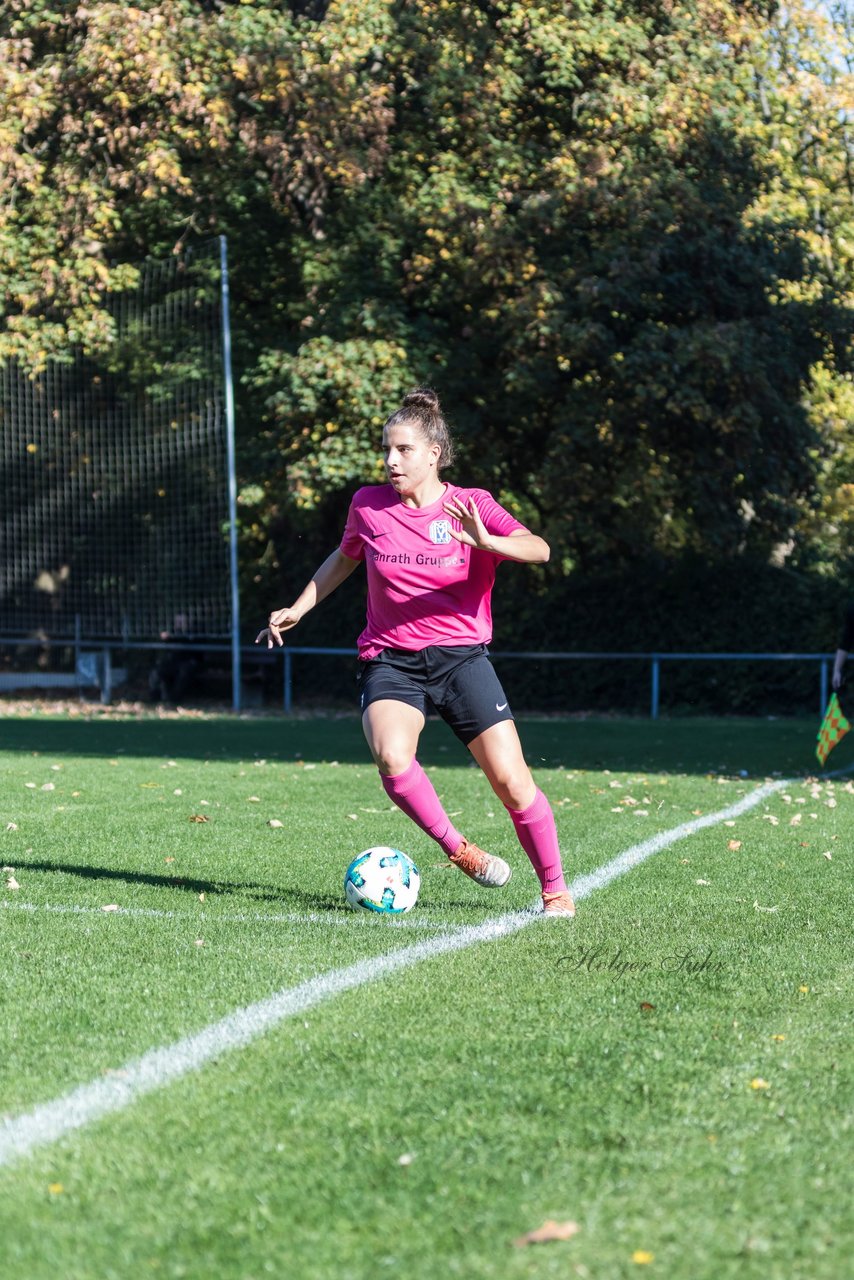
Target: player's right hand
280,620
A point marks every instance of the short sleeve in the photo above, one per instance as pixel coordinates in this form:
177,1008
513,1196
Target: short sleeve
497,519
352,544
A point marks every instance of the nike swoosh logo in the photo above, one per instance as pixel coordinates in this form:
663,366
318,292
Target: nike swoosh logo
501,708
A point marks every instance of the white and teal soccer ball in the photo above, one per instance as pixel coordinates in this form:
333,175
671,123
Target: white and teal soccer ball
382,880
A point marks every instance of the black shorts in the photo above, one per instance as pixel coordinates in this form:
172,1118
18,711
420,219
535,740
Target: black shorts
458,682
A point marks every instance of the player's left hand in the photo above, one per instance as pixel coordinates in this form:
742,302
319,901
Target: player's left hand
473,532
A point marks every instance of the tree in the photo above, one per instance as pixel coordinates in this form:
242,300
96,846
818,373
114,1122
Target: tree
128,128
616,236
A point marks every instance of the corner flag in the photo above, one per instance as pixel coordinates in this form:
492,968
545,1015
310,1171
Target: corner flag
833,729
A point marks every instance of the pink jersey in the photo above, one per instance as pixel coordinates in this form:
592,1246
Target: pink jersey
424,587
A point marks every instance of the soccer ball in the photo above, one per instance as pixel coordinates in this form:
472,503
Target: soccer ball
383,880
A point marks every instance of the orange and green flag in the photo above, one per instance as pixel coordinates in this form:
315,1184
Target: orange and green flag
833,729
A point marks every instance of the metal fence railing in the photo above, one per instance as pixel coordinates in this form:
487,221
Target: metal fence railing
95,665
655,661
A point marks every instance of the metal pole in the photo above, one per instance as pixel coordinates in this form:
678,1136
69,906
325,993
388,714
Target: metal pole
232,475
107,676
288,681
656,681
77,634
823,689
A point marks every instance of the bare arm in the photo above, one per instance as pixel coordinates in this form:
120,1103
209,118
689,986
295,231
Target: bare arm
335,569
527,548
839,663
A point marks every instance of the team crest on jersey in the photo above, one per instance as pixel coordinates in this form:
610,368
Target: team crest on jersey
440,531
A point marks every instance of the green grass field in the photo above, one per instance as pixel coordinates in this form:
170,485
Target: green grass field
671,1072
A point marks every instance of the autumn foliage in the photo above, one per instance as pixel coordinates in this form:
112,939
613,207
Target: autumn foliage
618,237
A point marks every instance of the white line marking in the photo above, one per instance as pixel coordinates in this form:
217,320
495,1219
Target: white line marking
639,853
50,1121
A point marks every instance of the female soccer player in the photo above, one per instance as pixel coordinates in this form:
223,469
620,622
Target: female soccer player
431,550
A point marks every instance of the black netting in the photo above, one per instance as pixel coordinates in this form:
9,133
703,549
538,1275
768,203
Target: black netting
113,473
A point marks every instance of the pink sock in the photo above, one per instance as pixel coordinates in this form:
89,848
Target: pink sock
414,793
535,827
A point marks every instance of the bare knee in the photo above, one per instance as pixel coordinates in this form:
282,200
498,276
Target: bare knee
499,754
392,761
515,788
391,730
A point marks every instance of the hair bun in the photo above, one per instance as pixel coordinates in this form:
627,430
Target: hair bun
422,398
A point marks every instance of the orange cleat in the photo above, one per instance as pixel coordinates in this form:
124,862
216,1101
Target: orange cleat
483,868
558,904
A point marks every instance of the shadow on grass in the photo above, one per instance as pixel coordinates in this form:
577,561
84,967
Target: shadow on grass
189,885
285,899
692,745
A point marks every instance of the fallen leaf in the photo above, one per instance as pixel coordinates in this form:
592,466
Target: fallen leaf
199,817
11,826
254,799
778,1037
769,817
274,822
733,844
702,882
646,1007
642,1256
803,988
112,906
12,883
547,1232
827,854
30,785
405,1159
55,1188
758,1083
757,907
